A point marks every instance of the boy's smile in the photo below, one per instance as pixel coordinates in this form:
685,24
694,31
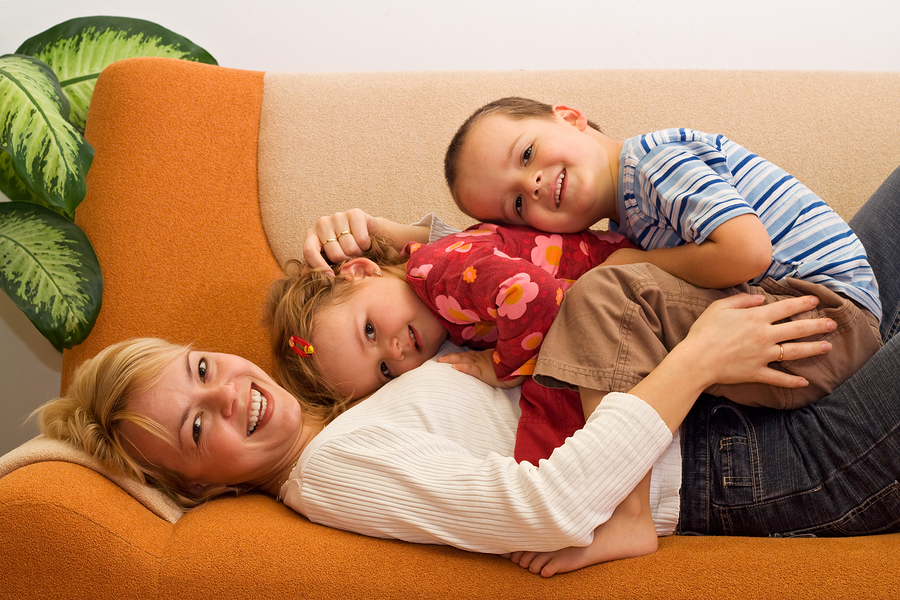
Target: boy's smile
554,174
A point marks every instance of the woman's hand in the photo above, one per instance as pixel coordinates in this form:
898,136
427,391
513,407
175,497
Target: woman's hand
733,341
347,234
340,236
736,339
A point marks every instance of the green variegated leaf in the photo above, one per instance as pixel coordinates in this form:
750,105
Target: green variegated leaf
49,269
13,186
77,50
47,153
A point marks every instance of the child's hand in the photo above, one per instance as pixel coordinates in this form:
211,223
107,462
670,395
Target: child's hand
625,256
479,364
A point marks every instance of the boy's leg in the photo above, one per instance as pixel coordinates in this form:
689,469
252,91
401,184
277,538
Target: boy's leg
623,320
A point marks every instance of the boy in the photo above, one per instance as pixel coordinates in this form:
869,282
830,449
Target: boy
520,161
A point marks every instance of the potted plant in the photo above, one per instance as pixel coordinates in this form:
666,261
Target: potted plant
47,265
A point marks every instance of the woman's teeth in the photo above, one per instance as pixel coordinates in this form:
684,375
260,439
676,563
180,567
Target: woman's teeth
257,409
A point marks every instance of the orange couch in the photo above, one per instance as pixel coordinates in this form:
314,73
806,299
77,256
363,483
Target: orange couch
204,182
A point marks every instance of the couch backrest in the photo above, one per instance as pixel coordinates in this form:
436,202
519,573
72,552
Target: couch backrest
333,141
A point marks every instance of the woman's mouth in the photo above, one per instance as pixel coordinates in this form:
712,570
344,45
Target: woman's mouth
258,405
560,181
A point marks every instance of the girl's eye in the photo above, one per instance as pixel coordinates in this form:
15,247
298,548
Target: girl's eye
201,369
526,156
196,428
385,371
370,331
518,205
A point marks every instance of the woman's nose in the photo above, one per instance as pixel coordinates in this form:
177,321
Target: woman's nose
224,398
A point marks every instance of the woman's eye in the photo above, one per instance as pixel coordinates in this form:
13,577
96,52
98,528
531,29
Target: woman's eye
385,371
196,428
201,369
370,331
526,156
518,205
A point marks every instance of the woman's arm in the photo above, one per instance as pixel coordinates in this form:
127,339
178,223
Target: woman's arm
347,235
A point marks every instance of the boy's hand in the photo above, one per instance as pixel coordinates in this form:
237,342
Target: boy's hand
479,364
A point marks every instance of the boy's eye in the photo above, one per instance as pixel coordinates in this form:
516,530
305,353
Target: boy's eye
518,205
385,371
196,428
526,156
201,369
370,331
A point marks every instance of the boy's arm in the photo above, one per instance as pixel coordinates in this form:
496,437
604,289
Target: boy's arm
735,252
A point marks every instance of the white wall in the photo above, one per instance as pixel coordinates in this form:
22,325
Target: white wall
363,35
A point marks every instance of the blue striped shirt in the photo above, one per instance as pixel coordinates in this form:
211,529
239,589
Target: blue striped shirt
678,185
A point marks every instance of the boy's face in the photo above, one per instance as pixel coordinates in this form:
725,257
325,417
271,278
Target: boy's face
554,174
380,332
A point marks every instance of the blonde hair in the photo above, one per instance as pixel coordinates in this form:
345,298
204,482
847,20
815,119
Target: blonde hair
513,107
292,306
95,406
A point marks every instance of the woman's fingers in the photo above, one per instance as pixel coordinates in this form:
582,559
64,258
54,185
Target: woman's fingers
339,236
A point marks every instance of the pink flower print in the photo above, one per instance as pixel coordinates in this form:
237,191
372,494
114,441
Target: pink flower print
414,246
470,275
450,309
483,331
420,272
547,252
459,246
532,341
584,249
515,294
504,255
527,369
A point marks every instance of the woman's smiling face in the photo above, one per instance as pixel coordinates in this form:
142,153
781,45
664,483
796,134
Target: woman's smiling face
229,422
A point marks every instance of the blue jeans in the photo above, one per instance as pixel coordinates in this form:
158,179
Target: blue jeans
828,469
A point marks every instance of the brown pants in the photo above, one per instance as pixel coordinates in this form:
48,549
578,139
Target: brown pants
617,323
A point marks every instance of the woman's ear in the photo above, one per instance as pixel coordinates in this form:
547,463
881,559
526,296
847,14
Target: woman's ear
359,268
570,115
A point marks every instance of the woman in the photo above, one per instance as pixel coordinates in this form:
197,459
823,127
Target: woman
436,466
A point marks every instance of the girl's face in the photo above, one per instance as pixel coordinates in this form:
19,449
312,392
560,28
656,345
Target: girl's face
230,421
380,331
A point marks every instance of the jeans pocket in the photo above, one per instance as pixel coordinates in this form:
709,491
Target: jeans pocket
879,513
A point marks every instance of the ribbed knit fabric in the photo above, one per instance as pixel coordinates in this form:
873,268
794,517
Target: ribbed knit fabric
428,459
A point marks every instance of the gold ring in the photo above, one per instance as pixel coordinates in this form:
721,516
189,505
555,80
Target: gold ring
329,240
781,356
340,234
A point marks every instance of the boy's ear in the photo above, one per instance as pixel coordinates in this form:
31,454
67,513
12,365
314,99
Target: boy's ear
359,268
570,115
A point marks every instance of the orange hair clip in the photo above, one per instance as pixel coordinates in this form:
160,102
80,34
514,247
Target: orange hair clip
300,346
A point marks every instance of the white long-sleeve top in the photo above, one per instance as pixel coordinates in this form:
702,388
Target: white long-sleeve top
428,459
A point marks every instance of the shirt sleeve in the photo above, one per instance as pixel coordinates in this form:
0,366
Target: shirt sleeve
414,486
686,187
